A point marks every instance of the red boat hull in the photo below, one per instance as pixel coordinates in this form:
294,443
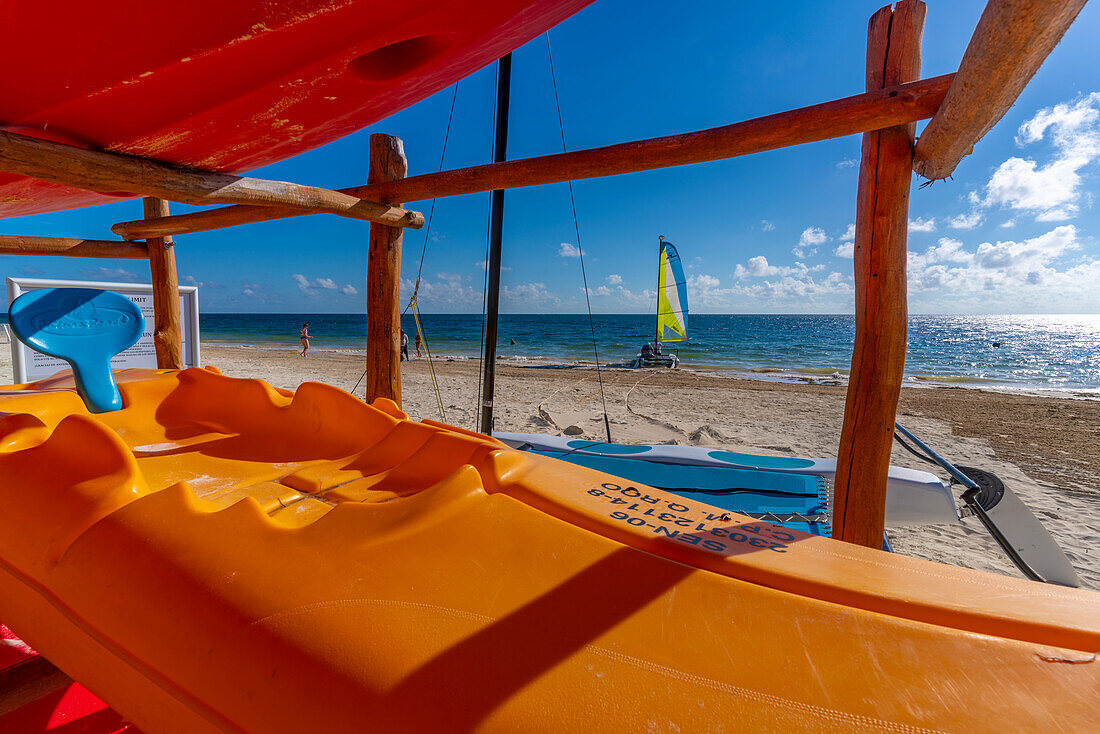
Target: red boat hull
231,86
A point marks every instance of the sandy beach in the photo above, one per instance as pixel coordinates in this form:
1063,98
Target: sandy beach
1046,449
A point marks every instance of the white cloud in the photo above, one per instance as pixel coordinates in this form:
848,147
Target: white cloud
615,279
920,224
110,274
1017,275
602,291
1052,192
1048,191
526,296
310,287
1010,223
616,299
442,295
808,241
847,163
847,247
208,284
349,290
567,249
484,265
766,225
788,293
966,221
758,267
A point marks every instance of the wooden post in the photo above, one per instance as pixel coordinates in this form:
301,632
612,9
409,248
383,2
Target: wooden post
167,337
387,163
882,217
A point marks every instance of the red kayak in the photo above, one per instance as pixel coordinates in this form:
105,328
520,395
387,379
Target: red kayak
231,86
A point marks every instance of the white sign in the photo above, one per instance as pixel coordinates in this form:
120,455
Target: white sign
30,365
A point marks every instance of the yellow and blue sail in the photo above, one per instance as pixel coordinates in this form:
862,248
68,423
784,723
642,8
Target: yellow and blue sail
672,302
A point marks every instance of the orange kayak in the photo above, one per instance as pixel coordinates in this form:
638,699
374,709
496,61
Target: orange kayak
222,556
231,86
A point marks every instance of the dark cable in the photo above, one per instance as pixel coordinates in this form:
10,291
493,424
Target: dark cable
914,452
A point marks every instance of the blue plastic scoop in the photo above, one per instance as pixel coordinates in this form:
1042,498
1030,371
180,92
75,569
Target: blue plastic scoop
85,327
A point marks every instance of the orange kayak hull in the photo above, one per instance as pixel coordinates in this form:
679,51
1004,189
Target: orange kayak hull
223,556
231,86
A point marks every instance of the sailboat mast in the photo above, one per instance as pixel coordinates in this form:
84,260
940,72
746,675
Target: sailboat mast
496,231
657,312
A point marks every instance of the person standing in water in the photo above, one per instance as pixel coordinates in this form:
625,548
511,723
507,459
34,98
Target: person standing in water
405,346
305,336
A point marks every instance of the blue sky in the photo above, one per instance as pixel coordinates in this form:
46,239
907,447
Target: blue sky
1015,231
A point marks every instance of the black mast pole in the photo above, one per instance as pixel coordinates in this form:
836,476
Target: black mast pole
660,246
496,231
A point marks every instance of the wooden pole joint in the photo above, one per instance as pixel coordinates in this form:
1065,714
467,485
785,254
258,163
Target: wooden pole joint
1009,44
383,378
167,328
95,170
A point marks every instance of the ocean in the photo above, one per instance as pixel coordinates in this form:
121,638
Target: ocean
1018,353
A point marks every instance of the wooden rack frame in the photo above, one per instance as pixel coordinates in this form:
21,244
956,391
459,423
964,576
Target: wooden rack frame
1009,44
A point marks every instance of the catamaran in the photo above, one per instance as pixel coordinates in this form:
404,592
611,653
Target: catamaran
672,309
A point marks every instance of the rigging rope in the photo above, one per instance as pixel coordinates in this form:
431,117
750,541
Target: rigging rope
580,249
428,351
431,211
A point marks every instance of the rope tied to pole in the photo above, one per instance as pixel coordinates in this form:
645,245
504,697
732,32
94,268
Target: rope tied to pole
431,368
580,249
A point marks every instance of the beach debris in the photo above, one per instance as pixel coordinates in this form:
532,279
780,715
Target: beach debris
573,431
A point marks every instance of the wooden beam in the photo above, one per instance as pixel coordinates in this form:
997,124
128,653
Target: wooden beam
167,332
882,218
25,245
1010,43
383,380
870,111
95,170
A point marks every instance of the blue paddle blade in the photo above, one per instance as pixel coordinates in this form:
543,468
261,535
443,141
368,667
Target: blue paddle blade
85,327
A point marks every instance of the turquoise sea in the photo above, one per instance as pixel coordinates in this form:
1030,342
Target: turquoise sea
1007,352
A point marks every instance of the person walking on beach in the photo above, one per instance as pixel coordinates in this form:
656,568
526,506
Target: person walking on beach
305,336
405,345
418,345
